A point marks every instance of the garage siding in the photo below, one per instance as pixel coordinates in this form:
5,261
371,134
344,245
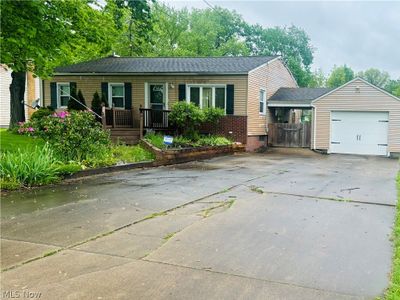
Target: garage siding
347,98
271,77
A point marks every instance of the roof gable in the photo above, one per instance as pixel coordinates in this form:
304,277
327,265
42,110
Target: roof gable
352,81
181,65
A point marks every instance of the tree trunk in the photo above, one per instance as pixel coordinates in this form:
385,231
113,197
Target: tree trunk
17,92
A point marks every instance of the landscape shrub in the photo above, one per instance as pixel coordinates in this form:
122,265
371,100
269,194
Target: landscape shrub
184,142
41,113
74,136
188,117
29,167
213,115
157,140
73,104
97,104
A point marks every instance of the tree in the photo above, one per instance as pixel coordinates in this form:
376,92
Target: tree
292,43
375,76
393,86
207,32
133,21
339,76
39,35
75,105
317,79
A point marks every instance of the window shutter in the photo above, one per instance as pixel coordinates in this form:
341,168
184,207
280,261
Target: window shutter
230,95
182,92
72,88
128,95
53,95
104,90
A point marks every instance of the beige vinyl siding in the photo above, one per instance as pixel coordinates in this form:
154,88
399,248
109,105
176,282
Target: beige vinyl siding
346,98
271,77
89,84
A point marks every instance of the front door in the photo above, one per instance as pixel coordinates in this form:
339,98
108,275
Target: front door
157,96
157,102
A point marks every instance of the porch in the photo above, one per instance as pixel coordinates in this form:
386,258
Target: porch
129,125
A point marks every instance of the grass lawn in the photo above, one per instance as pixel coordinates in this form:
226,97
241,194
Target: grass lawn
11,141
393,291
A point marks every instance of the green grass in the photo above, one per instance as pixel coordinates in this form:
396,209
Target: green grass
157,140
131,154
11,141
393,291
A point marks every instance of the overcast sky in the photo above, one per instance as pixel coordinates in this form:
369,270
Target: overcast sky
359,34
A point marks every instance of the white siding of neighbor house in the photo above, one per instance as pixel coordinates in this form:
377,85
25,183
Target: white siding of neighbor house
5,81
31,93
348,98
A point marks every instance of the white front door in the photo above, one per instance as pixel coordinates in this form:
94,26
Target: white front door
356,132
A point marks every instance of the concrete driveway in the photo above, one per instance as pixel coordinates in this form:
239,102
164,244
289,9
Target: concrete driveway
280,225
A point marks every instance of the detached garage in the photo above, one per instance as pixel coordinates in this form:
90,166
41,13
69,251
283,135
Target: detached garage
356,118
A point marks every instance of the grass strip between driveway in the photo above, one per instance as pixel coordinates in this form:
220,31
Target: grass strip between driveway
393,291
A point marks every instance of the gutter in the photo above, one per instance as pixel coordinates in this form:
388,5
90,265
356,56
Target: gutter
144,74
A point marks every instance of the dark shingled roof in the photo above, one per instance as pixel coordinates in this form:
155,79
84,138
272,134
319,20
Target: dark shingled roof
196,65
296,96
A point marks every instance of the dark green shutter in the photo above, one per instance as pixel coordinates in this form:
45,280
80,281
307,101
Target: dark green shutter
128,95
230,99
53,95
182,92
104,90
72,89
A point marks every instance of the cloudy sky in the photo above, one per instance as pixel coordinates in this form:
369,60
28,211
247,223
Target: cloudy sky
361,34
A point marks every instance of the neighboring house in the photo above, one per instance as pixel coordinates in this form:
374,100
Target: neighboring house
32,92
239,85
356,118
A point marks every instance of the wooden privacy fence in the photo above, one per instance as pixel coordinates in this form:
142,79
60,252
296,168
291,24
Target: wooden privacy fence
289,135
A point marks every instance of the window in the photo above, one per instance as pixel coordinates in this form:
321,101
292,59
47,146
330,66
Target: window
206,96
117,95
63,93
263,100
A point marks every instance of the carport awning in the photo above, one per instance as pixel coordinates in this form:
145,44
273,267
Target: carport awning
295,97
289,103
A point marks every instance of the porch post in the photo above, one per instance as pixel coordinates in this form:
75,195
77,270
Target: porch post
113,114
103,116
141,124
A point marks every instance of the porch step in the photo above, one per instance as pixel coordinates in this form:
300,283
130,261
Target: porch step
129,136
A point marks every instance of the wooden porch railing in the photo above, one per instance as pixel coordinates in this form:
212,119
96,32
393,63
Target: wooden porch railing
117,118
154,119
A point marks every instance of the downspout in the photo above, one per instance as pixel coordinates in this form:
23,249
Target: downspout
314,119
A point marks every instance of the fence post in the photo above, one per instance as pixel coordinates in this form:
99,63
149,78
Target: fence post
141,124
113,115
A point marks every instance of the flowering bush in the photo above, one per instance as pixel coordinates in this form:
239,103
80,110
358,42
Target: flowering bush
74,136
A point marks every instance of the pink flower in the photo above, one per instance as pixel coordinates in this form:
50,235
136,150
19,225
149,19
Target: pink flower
21,123
31,129
21,130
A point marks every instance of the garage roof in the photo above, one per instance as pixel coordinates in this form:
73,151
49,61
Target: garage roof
157,65
296,97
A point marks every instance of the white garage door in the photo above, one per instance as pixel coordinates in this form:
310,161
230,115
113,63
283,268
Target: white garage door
359,132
